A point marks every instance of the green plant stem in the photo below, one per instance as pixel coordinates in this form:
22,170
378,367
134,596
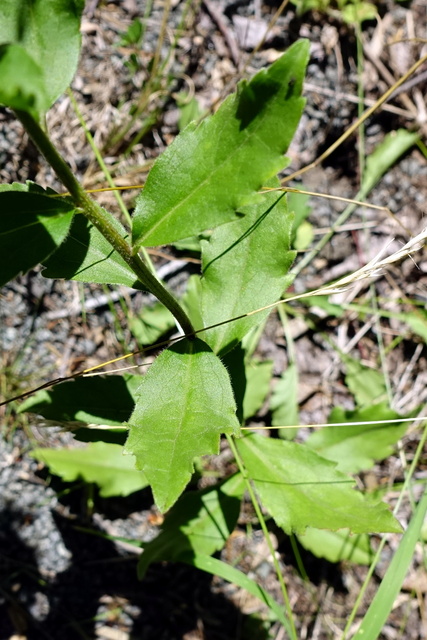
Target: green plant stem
106,173
266,535
102,220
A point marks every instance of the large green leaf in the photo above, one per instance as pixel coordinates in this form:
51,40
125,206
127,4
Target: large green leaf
32,226
214,168
245,266
99,462
101,400
355,447
300,489
87,256
47,31
201,521
184,403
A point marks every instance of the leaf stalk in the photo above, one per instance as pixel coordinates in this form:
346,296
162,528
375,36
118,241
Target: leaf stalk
102,220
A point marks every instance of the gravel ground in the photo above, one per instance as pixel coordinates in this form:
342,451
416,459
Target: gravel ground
56,579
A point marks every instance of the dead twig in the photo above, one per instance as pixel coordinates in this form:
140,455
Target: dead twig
229,38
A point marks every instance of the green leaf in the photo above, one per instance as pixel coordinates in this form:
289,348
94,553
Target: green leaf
201,521
391,584
337,546
234,362
417,320
304,236
184,403
32,226
48,31
190,245
189,109
133,35
101,400
153,323
25,90
191,301
356,447
258,376
367,385
99,462
245,266
298,205
358,12
214,168
300,489
284,402
394,145
87,256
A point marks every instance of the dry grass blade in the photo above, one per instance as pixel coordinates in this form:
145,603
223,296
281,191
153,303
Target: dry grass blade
370,270
354,127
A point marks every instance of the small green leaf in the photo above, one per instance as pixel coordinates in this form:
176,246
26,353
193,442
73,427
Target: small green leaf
189,109
201,521
133,35
87,256
151,324
299,207
300,489
394,145
99,462
359,12
190,245
184,403
417,320
32,226
356,447
284,402
367,385
245,266
49,32
304,236
24,91
337,546
214,168
191,301
102,400
258,376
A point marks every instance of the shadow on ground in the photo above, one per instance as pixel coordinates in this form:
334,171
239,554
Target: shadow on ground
172,601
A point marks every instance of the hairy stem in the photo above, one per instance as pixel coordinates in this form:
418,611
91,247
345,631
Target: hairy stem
102,221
